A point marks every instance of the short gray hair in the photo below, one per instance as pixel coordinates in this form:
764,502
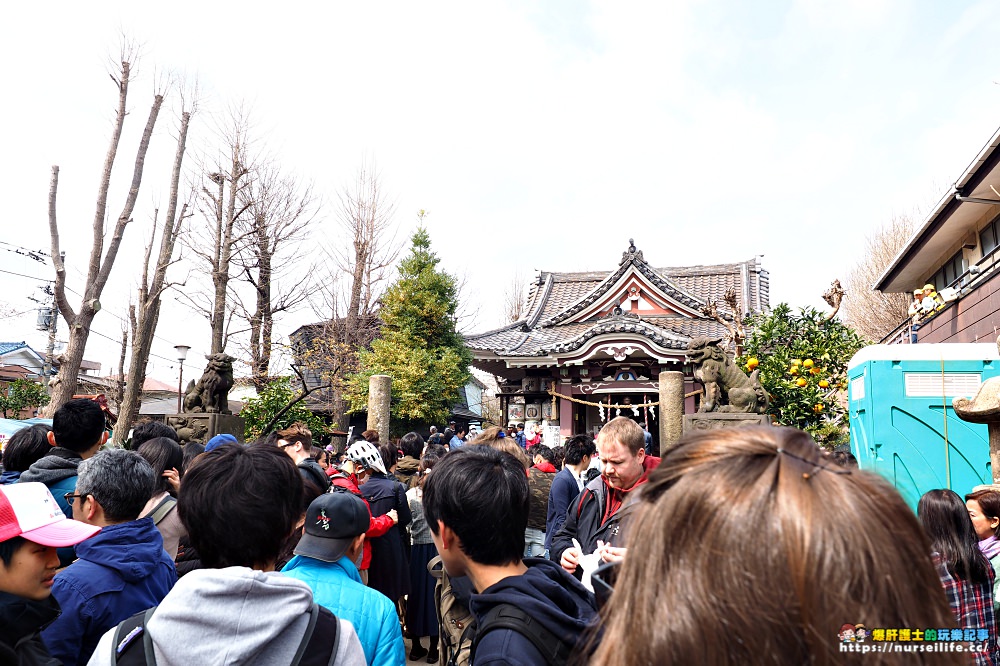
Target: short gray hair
121,481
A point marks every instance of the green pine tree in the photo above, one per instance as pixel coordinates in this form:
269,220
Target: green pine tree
419,346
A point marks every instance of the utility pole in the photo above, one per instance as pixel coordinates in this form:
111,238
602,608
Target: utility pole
48,319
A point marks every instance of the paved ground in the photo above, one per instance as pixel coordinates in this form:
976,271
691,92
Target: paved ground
423,661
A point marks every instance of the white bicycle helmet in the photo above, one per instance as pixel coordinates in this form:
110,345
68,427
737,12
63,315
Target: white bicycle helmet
364,453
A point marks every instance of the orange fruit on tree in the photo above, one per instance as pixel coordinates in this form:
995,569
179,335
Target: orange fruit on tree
752,363
793,370
814,371
808,363
801,381
824,384
818,407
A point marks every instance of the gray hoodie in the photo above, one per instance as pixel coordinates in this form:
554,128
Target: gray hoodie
234,616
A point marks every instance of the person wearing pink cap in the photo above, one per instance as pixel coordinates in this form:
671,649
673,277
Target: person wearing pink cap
32,526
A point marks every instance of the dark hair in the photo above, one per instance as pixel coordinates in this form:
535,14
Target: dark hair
9,547
26,446
270,439
120,480
559,454
370,436
191,451
316,453
716,492
844,459
545,452
946,521
297,432
989,502
577,447
238,504
434,450
482,495
411,444
447,435
162,453
390,455
78,425
427,463
147,429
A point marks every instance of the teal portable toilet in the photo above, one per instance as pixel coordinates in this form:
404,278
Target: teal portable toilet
902,423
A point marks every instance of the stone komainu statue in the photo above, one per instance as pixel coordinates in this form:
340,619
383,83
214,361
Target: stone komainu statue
727,388
211,392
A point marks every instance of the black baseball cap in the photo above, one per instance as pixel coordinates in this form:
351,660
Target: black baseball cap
332,522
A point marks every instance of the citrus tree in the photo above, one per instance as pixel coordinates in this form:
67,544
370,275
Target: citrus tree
21,394
803,366
258,412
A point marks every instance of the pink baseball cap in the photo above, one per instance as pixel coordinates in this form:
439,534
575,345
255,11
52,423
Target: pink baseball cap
29,510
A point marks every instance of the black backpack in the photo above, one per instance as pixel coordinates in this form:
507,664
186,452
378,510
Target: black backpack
318,647
508,616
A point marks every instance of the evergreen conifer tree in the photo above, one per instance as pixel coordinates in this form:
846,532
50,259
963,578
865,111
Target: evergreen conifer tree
419,346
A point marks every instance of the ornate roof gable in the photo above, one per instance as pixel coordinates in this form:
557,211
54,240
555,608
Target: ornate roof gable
635,287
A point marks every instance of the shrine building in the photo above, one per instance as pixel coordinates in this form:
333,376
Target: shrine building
603,338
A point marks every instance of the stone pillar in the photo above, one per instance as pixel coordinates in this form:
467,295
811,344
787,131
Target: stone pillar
379,390
671,408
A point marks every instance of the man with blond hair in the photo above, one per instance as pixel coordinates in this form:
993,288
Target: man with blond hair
593,521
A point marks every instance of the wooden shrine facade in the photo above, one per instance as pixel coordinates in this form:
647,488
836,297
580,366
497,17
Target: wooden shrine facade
604,338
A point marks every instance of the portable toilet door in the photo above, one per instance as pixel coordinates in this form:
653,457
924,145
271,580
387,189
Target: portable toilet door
902,422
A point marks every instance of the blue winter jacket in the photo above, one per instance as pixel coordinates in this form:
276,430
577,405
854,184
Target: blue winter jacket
121,570
548,595
561,495
338,587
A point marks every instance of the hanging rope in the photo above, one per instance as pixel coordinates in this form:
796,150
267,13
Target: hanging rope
608,405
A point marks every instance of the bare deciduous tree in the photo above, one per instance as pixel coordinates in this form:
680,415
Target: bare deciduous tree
279,215
64,385
145,314
222,203
874,314
366,215
363,257
514,303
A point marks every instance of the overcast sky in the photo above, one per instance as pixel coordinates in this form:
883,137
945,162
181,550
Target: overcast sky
538,135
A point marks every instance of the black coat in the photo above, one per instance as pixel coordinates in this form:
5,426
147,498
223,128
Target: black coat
21,620
389,572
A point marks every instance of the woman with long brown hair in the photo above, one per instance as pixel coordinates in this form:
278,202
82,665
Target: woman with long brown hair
754,549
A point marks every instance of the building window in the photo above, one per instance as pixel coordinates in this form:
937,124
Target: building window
989,237
949,272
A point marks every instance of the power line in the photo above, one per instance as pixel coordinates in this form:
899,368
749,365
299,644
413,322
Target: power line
30,277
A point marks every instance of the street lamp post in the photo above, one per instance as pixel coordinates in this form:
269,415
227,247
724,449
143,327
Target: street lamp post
182,352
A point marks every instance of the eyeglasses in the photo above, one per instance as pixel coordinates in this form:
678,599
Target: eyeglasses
69,497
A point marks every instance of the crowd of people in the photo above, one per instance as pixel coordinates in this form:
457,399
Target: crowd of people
746,545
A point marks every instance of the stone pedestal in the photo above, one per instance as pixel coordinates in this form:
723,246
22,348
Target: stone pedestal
716,420
379,392
671,408
201,427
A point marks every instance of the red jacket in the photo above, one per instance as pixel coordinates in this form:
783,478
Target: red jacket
379,526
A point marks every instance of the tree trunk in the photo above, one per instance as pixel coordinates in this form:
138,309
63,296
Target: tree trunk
64,386
149,295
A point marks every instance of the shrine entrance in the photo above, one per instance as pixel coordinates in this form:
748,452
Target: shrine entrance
591,419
